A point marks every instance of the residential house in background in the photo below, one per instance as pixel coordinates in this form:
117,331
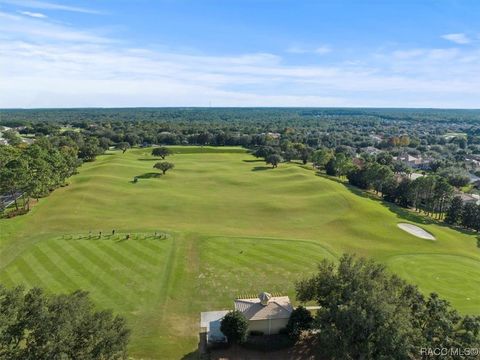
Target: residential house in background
469,198
370,150
414,162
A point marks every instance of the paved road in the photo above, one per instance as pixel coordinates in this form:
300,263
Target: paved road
7,199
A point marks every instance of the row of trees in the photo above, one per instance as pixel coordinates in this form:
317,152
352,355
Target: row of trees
35,170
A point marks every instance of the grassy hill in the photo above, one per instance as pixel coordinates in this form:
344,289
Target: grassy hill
234,226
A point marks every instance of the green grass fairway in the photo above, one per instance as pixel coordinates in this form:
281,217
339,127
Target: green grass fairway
235,227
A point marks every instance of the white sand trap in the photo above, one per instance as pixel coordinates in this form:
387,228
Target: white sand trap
416,231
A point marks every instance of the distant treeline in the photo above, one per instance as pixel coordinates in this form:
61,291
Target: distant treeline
238,114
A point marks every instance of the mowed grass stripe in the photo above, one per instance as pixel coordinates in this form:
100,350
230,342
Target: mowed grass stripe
56,272
83,267
303,257
155,245
270,255
6,279
128,260
135,248
257,253
27,274
101,266
110,266
76,272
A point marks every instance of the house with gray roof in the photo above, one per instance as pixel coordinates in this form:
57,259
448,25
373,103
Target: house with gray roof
265,313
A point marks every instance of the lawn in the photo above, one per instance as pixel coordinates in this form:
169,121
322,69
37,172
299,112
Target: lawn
234,227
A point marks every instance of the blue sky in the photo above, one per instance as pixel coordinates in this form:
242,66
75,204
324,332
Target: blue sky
240,53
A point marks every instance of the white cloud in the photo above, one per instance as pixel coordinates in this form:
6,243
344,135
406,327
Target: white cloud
34,4
458,38
321,50
45,64
38,29
33,14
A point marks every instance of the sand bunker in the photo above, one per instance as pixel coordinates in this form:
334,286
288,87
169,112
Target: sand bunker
416,231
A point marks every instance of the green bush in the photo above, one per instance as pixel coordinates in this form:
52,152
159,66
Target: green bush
256,333
301,319
268,343
234,326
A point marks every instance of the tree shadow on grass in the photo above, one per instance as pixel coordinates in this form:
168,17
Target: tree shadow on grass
253,160
149,175
194,355
261,168
149,159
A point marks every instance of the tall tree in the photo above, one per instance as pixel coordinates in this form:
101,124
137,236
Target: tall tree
321,157
34,325
274,160
455,211
161,152
164,166
124,146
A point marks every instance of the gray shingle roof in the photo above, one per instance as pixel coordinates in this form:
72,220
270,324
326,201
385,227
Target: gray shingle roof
278,307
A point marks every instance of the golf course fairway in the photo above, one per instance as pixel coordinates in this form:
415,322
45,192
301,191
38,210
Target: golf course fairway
233,226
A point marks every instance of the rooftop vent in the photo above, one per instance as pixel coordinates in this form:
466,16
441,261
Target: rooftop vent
264,298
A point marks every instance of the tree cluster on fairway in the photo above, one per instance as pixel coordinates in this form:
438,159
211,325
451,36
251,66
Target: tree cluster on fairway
164,166
34,325
274,160
367,313
124,146
234,326
161,152
339,165
466,215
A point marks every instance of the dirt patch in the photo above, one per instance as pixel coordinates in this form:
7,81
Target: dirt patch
416,231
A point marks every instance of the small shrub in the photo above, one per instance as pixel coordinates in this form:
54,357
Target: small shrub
217,345
13,213
268,343
234,326
256,333
300,320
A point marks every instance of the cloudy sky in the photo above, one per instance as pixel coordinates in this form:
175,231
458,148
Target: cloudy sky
121,53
